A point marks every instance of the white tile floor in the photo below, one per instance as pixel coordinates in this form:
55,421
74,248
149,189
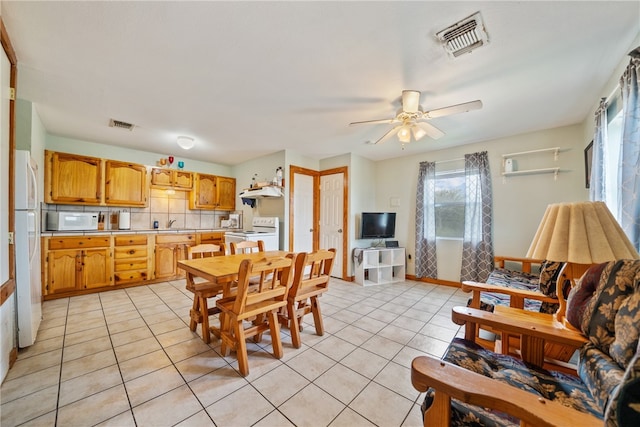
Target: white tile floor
128,358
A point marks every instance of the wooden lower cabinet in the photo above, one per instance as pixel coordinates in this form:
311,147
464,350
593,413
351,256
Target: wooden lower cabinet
212,237
87,264
171,248
132,258
77,264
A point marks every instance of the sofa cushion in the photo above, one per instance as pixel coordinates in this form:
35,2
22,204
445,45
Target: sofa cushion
624,405
618,280
600,374
510,279
626,339
566,389
580,296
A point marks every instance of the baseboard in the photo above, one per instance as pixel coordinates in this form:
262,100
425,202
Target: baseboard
434,281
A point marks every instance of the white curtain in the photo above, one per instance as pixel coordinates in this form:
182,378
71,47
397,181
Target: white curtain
426,259
598,170
477,243
629,172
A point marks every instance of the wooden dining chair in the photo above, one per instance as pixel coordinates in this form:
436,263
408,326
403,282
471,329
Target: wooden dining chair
202,291
247,246
262,306
310,281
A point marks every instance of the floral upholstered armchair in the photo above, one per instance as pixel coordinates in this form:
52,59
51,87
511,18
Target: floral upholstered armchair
475,386
523,289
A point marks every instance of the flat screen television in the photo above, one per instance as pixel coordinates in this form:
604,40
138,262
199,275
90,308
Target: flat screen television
378,225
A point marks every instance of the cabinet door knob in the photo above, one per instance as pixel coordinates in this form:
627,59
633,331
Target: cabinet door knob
340,230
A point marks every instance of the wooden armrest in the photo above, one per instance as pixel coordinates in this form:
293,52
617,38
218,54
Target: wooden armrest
451,381
520,322
468,286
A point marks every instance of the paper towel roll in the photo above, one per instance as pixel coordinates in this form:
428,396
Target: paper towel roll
124,222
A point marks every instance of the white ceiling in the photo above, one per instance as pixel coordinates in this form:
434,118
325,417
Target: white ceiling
247,79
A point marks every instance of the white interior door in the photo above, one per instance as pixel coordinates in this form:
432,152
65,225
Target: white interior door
302,213
331,217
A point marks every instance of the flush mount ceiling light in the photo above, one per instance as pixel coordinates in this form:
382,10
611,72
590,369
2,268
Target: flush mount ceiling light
464,36
186,142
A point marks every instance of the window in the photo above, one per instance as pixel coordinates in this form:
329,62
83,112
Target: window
449,204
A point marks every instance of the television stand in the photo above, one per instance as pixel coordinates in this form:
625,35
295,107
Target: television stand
380,266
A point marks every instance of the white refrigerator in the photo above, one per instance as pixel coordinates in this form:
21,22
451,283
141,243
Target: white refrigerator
27,249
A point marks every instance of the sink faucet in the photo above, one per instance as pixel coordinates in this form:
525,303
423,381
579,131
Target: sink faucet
171,221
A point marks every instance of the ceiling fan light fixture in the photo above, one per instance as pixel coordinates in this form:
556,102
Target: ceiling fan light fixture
418,132
185,142
404,134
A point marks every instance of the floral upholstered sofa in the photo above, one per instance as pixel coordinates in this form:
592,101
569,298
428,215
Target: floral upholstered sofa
542,283
474,386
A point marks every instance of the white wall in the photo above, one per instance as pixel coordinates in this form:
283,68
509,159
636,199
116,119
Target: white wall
518,202
264,169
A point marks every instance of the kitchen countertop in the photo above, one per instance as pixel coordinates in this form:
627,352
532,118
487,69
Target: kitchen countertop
136,231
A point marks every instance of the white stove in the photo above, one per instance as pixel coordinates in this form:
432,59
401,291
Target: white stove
265,228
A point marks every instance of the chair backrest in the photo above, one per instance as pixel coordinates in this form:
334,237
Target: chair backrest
246,247
205,250
312,270
276,275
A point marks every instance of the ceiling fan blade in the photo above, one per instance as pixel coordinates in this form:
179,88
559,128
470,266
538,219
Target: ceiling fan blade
387,135
432,131
369,122
453,109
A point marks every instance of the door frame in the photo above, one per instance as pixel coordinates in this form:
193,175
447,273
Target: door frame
8,288
316,208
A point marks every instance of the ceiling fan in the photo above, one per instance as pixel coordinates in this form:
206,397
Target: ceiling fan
411,118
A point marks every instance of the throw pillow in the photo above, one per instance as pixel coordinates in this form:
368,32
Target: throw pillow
549,272
580,296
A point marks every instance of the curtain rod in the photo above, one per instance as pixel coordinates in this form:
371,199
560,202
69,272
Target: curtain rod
450,160
612,94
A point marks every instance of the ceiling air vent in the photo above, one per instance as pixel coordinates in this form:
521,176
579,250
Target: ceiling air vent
464,36
120,124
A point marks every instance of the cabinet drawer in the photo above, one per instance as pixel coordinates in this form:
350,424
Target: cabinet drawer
128,264
131,252
175,238
79,242
130,240
212,237
130,276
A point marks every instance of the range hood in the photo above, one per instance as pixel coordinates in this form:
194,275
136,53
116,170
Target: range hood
259,193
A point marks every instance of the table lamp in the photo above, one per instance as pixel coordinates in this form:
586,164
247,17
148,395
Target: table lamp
579,234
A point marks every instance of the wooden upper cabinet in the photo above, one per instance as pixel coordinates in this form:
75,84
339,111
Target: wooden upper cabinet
213,192
171,178
125,184
226,193
203,195
72,179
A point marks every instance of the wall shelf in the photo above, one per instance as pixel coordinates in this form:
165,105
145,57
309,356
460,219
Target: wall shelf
554,171
506,160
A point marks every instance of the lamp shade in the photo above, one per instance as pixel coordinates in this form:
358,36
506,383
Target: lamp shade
186,142
580,233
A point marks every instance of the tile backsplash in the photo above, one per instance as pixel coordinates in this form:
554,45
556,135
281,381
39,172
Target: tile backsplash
163,207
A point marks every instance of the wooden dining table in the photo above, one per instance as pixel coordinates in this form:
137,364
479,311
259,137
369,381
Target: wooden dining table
221,270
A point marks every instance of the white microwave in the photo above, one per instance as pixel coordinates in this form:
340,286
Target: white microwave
69,221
